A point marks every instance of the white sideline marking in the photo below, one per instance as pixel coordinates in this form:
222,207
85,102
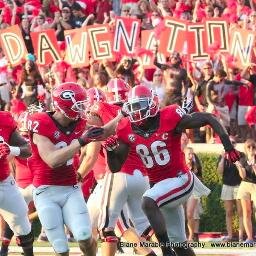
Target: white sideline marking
129,252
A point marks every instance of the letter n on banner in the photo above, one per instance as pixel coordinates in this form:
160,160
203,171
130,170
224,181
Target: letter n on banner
77,47
197,44
174,37
217,31
13,44
148,42
101,39
126,37
45,46
241,46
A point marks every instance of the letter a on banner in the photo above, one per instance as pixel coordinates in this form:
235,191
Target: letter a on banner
77,47
127,31
13,44
101,40
148,42
45,46
241,46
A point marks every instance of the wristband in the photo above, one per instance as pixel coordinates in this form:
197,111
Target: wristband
14,151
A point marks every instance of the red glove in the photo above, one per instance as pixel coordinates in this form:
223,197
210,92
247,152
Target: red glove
92,134
4,150
233,155
111,143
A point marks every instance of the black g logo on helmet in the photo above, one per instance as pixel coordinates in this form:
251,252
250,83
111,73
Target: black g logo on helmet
67,95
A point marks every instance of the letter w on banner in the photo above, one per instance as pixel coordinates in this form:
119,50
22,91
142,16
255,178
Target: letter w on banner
13,44
242,42
126,38
77,47
45,46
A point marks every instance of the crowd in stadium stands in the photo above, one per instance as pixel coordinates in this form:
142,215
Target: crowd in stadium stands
216,86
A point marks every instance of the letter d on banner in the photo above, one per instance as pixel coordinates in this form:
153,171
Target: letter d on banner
13,44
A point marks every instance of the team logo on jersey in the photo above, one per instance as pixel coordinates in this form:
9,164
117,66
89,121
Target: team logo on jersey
165,136
67,95
56,134
131,137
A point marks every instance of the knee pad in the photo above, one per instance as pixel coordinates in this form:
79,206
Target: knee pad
82,233
148,233
108,236
25,240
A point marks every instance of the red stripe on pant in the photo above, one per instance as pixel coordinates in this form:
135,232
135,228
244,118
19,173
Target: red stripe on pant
174,191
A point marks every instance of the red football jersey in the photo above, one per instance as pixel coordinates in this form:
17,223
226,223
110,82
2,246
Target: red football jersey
43,124
107,112
159,152
7,127
23,174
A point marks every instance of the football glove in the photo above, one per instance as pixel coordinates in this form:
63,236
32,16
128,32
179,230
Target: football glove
111,143
4,150
92,134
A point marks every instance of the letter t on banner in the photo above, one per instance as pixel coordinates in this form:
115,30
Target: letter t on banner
45,46
127,31
13,44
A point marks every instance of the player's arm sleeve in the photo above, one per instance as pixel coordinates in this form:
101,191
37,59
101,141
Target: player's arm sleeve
199,119
117,157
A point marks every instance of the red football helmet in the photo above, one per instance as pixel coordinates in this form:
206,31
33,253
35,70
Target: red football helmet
95,95
117,90
70,99
142,103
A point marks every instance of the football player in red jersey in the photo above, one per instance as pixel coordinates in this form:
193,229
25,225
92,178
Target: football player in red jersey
23,178
55,139
12,205
119,189
155,136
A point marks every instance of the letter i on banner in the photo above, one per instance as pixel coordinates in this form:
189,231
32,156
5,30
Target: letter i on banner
148,42
241,46
197,43
77,47
126,37
45,46
13,45
101,39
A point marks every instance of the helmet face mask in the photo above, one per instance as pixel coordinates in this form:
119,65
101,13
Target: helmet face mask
139,108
